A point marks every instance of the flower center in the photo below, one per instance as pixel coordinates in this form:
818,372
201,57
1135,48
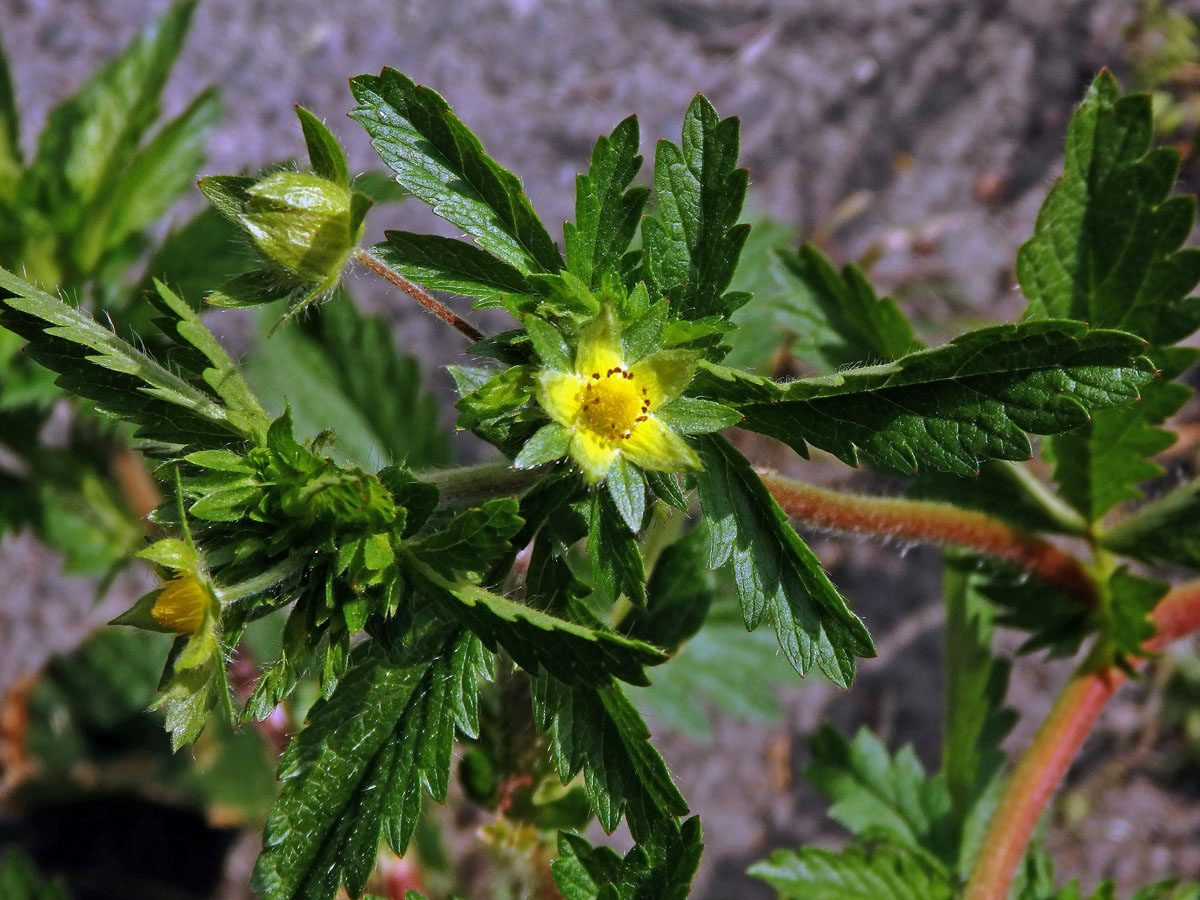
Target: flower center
613,403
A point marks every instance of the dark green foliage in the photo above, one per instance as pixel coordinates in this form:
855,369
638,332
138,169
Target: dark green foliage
358,770
20,879
445,264
953,406
848,323
607,210
885,873
778,577
661,868
599,731
691,248
442,163
976,682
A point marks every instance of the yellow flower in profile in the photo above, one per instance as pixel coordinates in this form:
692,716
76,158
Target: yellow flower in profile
606,407
181,604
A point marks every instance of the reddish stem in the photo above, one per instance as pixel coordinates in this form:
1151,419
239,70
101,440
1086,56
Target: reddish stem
1057,743
447,315
936,523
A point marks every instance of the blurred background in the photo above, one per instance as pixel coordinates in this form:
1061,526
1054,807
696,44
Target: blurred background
917,137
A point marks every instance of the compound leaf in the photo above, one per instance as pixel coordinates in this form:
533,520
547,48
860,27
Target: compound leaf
886,873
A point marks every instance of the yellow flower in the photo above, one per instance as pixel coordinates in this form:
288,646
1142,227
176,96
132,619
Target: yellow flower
181,604
605,407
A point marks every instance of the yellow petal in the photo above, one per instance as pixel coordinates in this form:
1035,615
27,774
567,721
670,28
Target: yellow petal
665,374
599,346
181,604
594,454
560,395
655,446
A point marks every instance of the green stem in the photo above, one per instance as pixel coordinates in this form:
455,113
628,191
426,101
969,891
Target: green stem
935,523
447,315
1064,515
1056,745
471,485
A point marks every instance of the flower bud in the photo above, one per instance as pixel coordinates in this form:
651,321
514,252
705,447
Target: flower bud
305,224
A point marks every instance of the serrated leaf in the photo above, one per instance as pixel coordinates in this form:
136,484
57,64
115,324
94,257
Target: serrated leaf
343,371
880,797
89,138
840,319
692,247
886,873
446,264
537,640
953,406
357,769
549,344
607,210
617,566
627,488
1106,245
1101,465
678,596
1056,622
94,362
976,682
324,152
438,159
599,731
1168,529
473,539
1131,600
161,172
777,576
660,868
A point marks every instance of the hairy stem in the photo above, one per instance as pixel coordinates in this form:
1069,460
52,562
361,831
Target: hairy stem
1056,744
935,523
447,315
469,485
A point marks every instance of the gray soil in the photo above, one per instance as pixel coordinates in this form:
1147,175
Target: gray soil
923,132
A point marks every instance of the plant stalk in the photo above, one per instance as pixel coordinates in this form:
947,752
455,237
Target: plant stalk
935,523
447,315
1057,743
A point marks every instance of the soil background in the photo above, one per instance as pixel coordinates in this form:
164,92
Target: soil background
922,132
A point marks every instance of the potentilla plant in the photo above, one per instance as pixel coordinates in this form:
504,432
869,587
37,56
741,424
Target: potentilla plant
512,600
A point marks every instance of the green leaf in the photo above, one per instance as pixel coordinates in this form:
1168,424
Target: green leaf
11,163
446,264
343,371
1168,529
1055,622
1106,245
473,539
692,248
549,344
953,406
94,363
617,566
689,415
359,769
678,596
1131,600
976,682
846,322
763,326
1100,465
627,488
161,172
723,669
20,880
438,159
599,731
549,443
536,640
886,873
879,797
324,151
661,868
607,210
777,576
89,138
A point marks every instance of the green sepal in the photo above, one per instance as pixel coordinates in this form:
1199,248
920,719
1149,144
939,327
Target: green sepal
627,488
549,443
324,152
691,415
